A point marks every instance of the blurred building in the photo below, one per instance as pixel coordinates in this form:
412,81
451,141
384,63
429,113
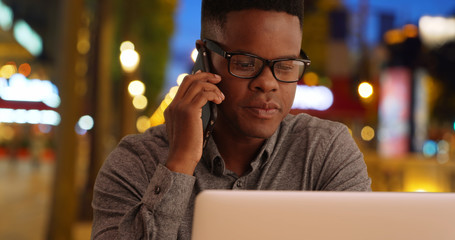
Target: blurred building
77,76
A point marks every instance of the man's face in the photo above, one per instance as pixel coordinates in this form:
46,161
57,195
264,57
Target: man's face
255,107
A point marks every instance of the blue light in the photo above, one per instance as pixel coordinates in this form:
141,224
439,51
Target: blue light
28,38
430,148
6,17
312,97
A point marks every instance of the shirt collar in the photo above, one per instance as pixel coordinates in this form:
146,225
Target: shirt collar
212,158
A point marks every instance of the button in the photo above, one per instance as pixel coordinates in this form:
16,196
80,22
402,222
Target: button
239,184
157,190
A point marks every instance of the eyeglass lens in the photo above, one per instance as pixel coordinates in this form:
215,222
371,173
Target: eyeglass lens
284,70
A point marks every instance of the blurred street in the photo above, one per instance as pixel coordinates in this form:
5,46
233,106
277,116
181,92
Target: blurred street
25,201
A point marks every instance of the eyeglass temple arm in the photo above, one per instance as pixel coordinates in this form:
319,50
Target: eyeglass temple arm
212,46
303,55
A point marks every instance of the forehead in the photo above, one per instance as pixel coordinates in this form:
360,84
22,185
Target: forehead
266,33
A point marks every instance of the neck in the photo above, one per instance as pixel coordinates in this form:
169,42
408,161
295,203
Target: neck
237,151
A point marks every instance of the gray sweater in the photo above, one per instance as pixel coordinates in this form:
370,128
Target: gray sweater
137,197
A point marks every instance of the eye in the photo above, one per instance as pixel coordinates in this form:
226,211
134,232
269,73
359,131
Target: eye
284,66
243,63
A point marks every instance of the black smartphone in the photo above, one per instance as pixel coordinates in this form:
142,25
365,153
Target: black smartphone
208,110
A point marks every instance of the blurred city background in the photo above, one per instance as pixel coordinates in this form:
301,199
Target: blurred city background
77,76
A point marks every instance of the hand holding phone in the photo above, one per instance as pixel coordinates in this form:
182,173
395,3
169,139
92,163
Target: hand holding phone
209,111
187,132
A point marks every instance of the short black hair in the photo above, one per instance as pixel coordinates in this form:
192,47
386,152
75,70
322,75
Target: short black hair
214,12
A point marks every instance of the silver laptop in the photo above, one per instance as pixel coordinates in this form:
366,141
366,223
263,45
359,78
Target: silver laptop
221,214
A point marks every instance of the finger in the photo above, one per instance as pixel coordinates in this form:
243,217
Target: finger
199,76
203,97
200,87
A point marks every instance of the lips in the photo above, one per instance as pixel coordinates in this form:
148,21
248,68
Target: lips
263,110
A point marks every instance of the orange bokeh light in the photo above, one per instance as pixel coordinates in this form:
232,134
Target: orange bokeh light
25,69
410,30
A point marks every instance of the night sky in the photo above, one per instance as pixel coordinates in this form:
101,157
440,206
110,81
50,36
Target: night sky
187,25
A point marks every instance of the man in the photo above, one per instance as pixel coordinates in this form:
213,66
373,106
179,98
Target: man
147,186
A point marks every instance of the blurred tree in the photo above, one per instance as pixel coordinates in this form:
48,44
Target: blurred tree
149,25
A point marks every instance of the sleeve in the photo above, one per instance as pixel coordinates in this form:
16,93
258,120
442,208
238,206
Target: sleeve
344,168
129,205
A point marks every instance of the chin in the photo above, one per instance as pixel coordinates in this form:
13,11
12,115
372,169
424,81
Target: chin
262,131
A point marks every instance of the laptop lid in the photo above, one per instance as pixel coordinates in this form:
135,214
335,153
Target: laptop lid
224,214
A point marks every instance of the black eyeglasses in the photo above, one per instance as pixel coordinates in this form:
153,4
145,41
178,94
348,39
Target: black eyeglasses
247,66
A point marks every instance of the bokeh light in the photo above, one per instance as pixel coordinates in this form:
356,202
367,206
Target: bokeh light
28,38
312,97
180,78
173,92
430,148
7,70
367,133
136,88
443,147
126,45
394,36
140,102
129,60
83,46
6,17
365,90
86,122
311,79
410,30
194,54
25,69
31,116
157,118
142,124
436,31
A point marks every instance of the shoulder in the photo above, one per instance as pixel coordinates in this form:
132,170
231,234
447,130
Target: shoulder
140,151
154,137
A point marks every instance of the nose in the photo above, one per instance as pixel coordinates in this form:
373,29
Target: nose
265,82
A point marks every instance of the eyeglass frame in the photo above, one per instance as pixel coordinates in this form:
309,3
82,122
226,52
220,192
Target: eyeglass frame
214,47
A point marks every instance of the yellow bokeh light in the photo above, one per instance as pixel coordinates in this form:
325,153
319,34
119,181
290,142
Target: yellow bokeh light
126,45
129,60
83,46
7,71
180,78
365,90
157,118
194,54
140,102
167,99
136,88
163,105
311,79
142,124
367,133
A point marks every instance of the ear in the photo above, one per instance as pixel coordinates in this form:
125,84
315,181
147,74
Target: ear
199,44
